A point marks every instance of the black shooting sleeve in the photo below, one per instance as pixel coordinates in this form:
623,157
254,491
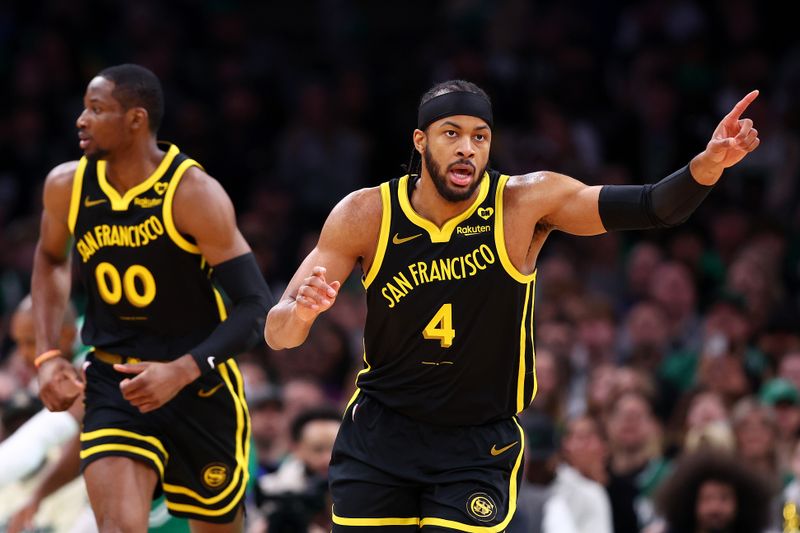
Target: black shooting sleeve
242,282
665,204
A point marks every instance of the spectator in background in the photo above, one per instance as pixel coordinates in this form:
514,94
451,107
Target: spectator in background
756,431
541,506
585,449
269,426
711,492
636,466
673,288
295,498
783,397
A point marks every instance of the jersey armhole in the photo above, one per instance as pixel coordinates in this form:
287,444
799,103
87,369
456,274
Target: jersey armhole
500,239
169,222
75,198
383,237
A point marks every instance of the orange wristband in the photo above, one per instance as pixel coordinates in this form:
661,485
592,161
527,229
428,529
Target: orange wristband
41,358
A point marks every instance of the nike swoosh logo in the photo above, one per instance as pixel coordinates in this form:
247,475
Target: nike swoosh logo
211,361
206,393
495,452
397,240
90,203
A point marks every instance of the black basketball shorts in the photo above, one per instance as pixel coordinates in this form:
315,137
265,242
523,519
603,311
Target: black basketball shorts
391,473
198,443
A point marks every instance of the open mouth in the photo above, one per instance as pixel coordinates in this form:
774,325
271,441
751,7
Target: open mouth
461,174
83,140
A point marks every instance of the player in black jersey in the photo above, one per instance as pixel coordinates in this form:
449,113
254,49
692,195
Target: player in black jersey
430,440
154,237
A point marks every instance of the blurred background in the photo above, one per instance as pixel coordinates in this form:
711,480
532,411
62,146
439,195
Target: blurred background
650,345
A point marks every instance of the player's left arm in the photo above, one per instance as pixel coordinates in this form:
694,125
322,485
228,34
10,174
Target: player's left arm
203,211
590,210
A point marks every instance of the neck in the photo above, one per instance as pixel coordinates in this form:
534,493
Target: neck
625,461
129,166
429,204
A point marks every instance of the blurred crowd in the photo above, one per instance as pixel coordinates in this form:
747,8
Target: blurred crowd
668,361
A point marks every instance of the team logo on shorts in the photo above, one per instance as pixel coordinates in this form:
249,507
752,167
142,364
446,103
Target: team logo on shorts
214,475
481,507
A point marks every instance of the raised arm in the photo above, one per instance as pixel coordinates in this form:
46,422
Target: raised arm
50,288
350,234
203,211
589,210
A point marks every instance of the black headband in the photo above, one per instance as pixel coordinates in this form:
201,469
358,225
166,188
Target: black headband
454,103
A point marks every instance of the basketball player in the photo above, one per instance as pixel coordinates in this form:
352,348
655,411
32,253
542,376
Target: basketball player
430,440
165,407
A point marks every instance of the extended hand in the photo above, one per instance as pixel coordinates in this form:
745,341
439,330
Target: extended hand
59,384
734,138
156,383
315,295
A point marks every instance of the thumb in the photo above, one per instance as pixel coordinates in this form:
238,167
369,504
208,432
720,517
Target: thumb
136,368
335,285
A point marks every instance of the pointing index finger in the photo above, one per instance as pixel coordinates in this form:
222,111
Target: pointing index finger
739,108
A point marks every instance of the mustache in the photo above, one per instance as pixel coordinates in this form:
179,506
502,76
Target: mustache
462,162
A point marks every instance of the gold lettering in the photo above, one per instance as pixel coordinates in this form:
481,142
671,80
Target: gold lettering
435,272
383,292
403,282
413,269
487,253
470,264
423,272
396,294
83,250
444,266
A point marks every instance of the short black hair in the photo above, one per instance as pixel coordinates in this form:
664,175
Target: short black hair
677,497
312,415
136,86
453,86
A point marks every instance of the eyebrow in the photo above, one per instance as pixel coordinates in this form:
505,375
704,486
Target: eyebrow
454,125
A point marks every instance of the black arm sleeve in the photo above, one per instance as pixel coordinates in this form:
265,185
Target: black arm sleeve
243,283
662,205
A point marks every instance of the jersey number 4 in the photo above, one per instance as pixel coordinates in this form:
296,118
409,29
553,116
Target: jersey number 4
440,328
111,285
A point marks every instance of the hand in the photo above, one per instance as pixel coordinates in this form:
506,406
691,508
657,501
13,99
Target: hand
59,384
22,519
315,295
734,138
156,383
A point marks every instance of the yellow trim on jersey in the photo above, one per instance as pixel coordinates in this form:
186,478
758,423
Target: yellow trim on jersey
364,370
113,432
383,238
120,203
241,462
512,499
500,240
341,521
533,347
75,199
117,447
522,344
169,222
439,234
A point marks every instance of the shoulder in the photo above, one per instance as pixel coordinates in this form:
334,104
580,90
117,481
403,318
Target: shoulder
58,187
198,187
354,224
62,176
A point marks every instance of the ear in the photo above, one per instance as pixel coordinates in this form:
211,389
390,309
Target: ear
139,118
420,139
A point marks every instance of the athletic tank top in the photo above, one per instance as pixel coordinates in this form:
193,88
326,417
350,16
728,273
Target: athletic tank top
449,331
149,292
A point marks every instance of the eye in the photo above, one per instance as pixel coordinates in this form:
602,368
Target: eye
480,137
95,110
451,133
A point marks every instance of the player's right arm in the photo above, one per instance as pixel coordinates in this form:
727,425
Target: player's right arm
349,235
50,287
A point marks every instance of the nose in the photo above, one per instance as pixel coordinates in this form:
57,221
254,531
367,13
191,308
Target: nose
465,149
81,122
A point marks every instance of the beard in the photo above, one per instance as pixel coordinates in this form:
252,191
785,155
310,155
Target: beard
96,155
439,179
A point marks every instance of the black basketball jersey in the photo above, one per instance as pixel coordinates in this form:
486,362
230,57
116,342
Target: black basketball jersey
449,332
149,292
